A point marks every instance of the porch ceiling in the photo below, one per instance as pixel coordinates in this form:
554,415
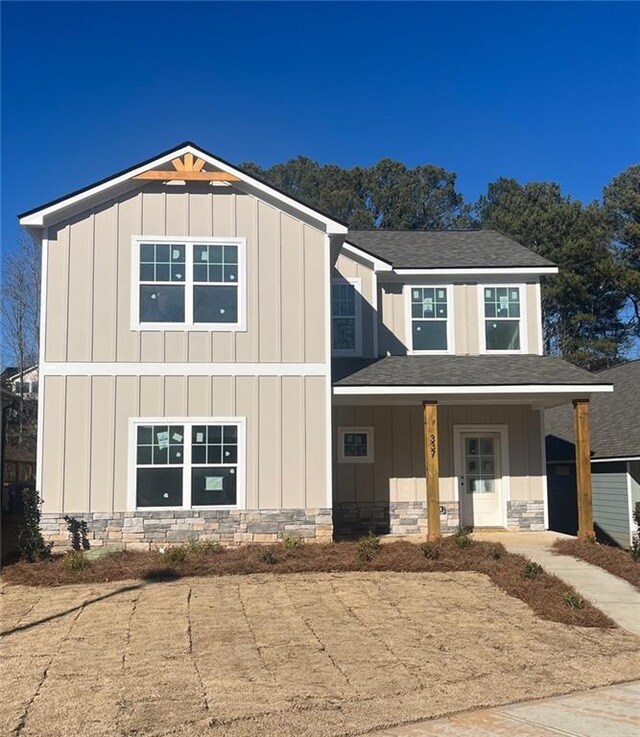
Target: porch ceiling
544,381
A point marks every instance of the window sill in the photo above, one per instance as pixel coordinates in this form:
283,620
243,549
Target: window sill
209,327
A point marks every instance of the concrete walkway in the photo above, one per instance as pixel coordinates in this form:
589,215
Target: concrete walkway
613,711
618,599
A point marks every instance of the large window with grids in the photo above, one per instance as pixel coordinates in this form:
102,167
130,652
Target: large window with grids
187,464
195,282
502,318
429,309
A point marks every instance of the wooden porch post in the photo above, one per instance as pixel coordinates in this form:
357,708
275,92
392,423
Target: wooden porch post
432,467
583,468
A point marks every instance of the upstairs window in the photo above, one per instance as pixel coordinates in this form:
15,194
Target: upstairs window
502,318
195,283
345,317
429,315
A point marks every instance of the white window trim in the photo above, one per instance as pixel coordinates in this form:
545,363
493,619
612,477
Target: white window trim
188,324
406,289
524,348
188,423
357,283
368,431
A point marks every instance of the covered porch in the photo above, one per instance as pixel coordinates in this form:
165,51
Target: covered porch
426,444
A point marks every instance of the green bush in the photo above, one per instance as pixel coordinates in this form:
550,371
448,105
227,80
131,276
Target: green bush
203,547
175,556
368,547
463,537
532,569
291,542
430,552
573,601
266,555
76,560
30,541
77,529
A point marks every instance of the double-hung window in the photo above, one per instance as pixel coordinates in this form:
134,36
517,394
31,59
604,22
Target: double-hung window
193,282
502,318
345,317
429,319
188,463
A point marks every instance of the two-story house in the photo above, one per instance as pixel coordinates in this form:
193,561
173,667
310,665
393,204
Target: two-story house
219,359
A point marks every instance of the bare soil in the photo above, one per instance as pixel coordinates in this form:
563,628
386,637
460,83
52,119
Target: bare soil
544,593
304,655
614,560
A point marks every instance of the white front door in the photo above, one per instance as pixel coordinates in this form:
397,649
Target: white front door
479,472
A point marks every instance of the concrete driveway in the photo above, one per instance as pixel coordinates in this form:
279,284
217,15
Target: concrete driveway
318,654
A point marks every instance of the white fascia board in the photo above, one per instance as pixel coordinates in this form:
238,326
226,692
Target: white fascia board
488,271
377,263
37,219
579,389
183,369
617,459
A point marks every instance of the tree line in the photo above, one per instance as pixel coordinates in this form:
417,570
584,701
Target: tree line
591,308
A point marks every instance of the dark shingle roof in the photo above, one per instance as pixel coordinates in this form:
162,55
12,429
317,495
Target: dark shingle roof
433,249
614,420
470,371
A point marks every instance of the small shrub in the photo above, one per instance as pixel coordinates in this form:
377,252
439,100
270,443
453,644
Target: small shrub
77,529
291,542
175,556
266,555
30,541
495,552
463,537
76,560
368,547
203,547
430,552
573,601
532,569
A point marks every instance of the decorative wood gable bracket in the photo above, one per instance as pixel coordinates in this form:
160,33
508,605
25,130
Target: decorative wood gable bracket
188,169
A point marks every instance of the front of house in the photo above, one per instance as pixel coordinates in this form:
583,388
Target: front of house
220,360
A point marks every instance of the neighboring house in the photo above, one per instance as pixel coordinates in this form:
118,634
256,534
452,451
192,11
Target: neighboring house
25,382
191,318
615,461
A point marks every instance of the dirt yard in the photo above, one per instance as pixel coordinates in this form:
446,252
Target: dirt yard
301,654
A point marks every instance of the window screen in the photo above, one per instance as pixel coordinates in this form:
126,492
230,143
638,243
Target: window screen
214,461
159,465
429,315
502,318
344,318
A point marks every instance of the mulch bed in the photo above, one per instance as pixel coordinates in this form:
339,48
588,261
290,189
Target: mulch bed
614,560
547,595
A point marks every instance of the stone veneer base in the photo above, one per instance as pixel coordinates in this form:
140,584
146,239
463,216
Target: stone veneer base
410,518
146,530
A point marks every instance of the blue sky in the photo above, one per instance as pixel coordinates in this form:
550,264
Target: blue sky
531,91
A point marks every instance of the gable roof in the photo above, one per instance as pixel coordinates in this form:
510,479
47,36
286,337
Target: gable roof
124,180
614,419
451,249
